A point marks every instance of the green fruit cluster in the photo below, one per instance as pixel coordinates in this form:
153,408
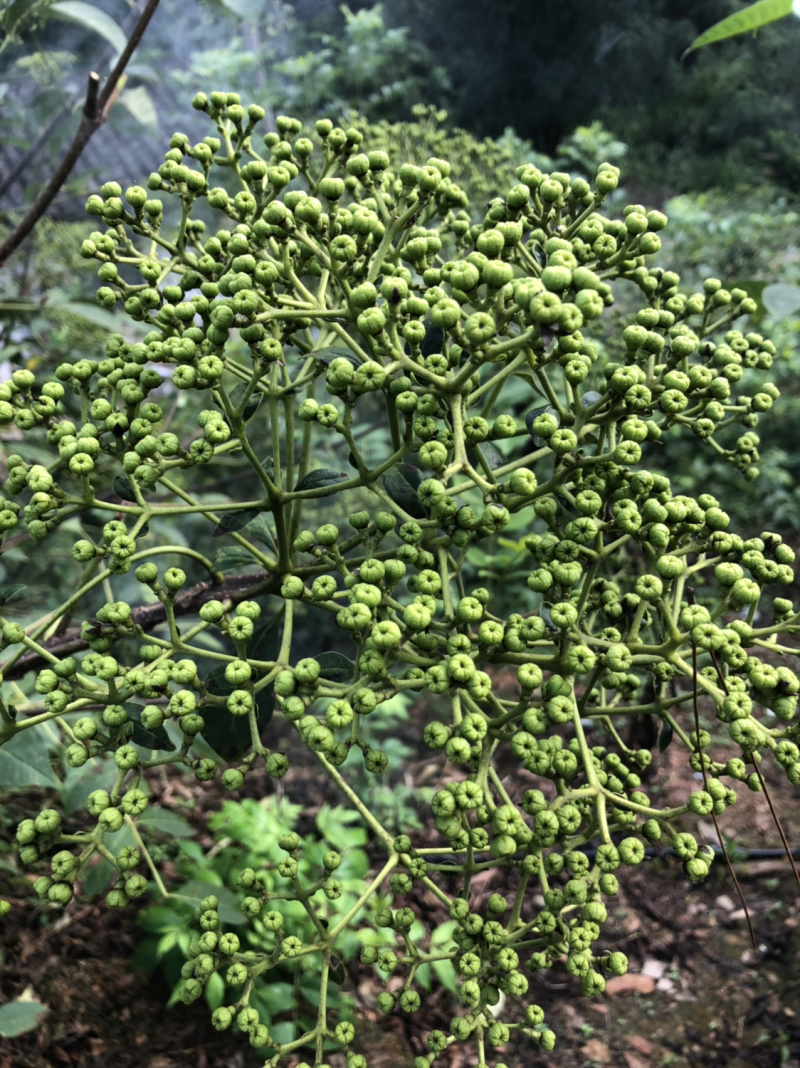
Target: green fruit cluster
316,272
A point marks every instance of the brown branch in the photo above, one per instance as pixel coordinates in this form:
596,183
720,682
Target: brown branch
94,114
236,588
92,89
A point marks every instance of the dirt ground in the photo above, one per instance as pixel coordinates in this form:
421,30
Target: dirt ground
697,993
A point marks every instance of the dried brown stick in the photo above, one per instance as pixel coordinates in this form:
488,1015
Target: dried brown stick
95,112
235,588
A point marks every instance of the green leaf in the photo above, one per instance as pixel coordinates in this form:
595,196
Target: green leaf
261,529
754,288
323,476
215,991
282,1032
590,398
140,104
401,482
443,934
11,593
665,735
79,782
545,409
445,973
337,972
123,487
163,821
19,1016
97,877
25,760
332,825
230,735
335,667
246,10
143,71
15,12
747,20
238,520
147,739
91,18
253,401
196,889
781,299
234,558
433,340
491,454
335,352
156,919
90,312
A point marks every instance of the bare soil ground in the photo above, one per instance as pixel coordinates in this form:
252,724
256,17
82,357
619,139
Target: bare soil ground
697,993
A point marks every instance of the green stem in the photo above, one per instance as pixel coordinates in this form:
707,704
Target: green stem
356,802
374,886
148,859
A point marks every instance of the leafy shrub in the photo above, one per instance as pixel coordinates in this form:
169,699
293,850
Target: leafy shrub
313,66
352,305
748,239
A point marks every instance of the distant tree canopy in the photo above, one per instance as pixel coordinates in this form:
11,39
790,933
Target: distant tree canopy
548,67
725,116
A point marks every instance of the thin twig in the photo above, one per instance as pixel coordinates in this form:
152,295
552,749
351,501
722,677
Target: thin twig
787,848
713,813
57,927
95,106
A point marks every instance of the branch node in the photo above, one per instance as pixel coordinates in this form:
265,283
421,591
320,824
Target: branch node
92,89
